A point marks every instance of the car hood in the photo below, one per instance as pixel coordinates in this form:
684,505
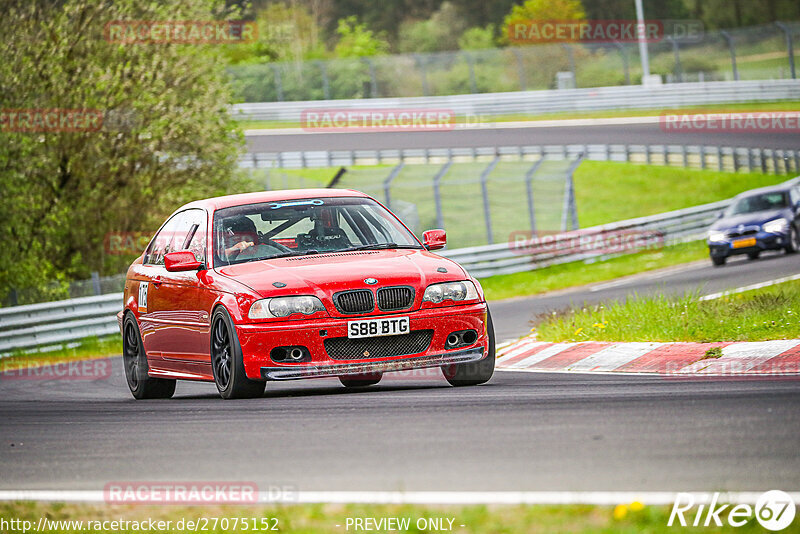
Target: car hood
325,274
748,219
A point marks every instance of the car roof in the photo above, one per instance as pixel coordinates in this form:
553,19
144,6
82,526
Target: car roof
780,188
228,201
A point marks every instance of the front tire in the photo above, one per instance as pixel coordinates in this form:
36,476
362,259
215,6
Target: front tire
793,245
474,373
141,384
227,362
718,261
360,381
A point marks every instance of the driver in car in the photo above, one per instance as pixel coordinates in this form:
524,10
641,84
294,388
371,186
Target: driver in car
240,234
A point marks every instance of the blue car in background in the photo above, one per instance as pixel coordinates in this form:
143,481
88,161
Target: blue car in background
757,220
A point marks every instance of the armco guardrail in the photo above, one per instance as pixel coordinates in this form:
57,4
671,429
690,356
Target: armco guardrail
723,158
538,102
54,323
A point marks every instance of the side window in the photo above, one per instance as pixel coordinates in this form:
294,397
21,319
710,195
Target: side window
162,242
196,222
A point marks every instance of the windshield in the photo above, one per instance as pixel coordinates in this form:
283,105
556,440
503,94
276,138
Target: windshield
763,202
307,226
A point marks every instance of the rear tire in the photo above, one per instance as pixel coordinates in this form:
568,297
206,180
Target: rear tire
474,373
793,245
141,384
227,362
753,255
360,381
717,261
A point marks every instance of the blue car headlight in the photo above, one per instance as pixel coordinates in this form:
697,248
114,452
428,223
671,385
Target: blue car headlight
715,236
777,226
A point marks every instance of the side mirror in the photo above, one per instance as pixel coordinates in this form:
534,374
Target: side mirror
434,239
720,214
181,260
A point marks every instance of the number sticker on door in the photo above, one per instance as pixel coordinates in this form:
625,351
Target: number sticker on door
143,296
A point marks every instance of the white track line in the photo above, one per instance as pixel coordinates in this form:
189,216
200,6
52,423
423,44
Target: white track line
713,296
600,498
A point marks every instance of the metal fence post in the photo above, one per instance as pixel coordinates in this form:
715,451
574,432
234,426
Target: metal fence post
96,283
623,52
276,72
485,191
529,189
326,86
437,195
789,46
720,163
702,157
571,57
473,84
418,59
373,80
520,69
728,39
763,158
677,53
570,207
387,183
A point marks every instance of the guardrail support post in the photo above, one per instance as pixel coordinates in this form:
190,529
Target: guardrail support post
702,157
529,190
775,165
789,46
485,191
720,163
763,158
437,195
728,39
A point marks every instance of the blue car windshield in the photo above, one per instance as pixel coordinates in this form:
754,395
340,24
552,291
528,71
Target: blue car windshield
763,202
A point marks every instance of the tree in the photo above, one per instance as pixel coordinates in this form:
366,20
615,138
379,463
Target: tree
543,10
477,38
165,134
438,33
355,40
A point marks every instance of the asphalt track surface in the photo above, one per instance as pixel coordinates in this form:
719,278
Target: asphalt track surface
520,431
634,134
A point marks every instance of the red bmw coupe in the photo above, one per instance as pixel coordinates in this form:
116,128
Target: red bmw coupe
281,285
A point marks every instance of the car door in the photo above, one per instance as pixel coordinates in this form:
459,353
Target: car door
184,299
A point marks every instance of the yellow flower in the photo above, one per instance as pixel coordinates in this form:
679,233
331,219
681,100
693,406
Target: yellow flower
620,511
599,325
578,331
636,506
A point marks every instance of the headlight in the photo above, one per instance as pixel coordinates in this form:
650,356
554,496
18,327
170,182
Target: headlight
455,291
778,226
713,235
284,307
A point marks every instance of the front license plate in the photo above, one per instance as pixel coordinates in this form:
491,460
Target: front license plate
743,243
389,326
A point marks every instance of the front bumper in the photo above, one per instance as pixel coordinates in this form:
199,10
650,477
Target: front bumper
419,362
764,241
257,340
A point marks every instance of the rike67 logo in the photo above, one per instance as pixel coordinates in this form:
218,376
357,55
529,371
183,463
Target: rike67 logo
774,510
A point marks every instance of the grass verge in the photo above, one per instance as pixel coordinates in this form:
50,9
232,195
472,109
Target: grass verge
580,273
716,108
758,315
322,518
89,348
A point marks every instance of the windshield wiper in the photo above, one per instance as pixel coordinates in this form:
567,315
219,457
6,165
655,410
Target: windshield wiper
290,254
377,246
